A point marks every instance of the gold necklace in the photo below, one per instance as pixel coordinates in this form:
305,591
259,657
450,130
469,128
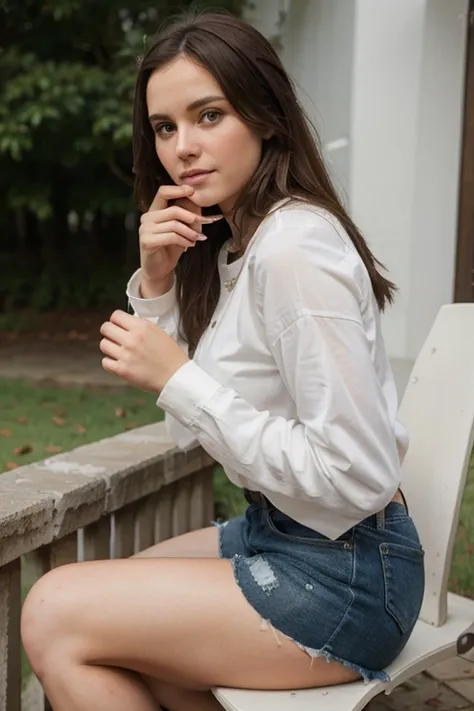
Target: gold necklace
231,248
230,283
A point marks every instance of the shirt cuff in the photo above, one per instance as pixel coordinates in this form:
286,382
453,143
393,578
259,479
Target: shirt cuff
186,392
149,308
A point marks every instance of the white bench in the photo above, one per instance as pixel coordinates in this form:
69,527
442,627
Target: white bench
438,409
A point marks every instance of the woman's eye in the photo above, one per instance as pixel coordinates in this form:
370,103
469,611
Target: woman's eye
164,128
211,116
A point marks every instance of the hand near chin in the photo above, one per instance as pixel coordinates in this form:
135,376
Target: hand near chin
139,352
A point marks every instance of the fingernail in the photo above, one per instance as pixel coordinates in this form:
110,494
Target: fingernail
201,237
212,218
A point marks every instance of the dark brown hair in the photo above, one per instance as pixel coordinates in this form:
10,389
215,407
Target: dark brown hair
255,83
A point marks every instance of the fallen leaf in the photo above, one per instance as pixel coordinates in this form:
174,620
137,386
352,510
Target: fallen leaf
24,449
79,428
52,449
5,433
58,421
22,419
60,413
10,466
120,412
130,425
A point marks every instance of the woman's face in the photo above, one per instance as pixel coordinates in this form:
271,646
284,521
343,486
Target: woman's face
200,139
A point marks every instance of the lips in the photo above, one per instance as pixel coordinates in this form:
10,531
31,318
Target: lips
192,177
193,173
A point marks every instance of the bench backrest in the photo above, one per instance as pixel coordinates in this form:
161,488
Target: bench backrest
438,410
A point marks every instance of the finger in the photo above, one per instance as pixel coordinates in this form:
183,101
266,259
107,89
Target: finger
110,349
170,192
111,365
173,226
125,321
155,242
175,212
188,204
113,333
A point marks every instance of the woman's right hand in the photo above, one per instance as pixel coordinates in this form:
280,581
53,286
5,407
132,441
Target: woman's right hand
166,231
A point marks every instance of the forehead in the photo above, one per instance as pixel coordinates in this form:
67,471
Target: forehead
173,87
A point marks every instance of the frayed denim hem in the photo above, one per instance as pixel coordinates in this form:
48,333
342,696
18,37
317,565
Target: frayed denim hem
367,675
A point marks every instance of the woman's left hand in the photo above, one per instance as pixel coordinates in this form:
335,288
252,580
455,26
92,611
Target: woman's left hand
139,352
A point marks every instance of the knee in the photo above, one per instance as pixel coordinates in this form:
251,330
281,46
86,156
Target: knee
47,618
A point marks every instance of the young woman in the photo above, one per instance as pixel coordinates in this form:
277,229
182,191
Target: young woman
259,330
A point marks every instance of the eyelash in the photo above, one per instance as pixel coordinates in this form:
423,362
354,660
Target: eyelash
159,127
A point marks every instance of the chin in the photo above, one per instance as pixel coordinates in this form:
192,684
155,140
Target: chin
205,198
203,201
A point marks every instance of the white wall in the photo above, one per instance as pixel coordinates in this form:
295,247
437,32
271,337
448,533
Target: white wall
385,83
318,39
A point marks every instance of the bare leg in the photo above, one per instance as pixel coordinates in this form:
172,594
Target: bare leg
174,699
203,543
183,622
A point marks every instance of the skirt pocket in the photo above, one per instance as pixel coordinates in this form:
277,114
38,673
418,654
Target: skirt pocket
404,583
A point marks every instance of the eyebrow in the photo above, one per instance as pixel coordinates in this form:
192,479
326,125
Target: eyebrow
191,107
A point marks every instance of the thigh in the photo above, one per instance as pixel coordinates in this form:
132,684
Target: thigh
203,543
183,621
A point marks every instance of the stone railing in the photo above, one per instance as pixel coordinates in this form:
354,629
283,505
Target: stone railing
109,499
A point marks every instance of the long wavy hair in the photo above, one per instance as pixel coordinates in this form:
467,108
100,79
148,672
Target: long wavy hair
253,79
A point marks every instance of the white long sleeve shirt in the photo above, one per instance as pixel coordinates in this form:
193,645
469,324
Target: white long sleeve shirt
290,388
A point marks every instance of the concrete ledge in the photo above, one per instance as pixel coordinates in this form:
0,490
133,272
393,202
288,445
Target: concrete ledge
47,500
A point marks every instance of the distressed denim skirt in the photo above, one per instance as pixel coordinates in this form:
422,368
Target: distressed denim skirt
354,600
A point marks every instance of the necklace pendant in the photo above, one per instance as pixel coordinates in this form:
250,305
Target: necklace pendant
232,248
230,283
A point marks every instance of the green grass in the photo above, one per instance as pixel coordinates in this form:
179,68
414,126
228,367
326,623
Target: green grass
37,419
462,570
40,420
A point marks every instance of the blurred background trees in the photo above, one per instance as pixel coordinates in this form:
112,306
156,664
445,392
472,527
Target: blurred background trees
68,226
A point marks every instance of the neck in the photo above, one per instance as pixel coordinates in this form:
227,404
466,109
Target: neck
241,238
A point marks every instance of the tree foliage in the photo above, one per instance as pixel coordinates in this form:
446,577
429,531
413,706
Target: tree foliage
67,73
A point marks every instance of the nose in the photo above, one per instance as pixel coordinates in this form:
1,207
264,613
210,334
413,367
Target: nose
187,145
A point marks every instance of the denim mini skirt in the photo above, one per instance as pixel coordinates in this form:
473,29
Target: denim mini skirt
354,600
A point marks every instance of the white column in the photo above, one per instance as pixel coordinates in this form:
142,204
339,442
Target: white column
437,169
388,54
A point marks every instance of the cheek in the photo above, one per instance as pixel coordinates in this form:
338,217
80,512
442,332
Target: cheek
165,154
243,152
